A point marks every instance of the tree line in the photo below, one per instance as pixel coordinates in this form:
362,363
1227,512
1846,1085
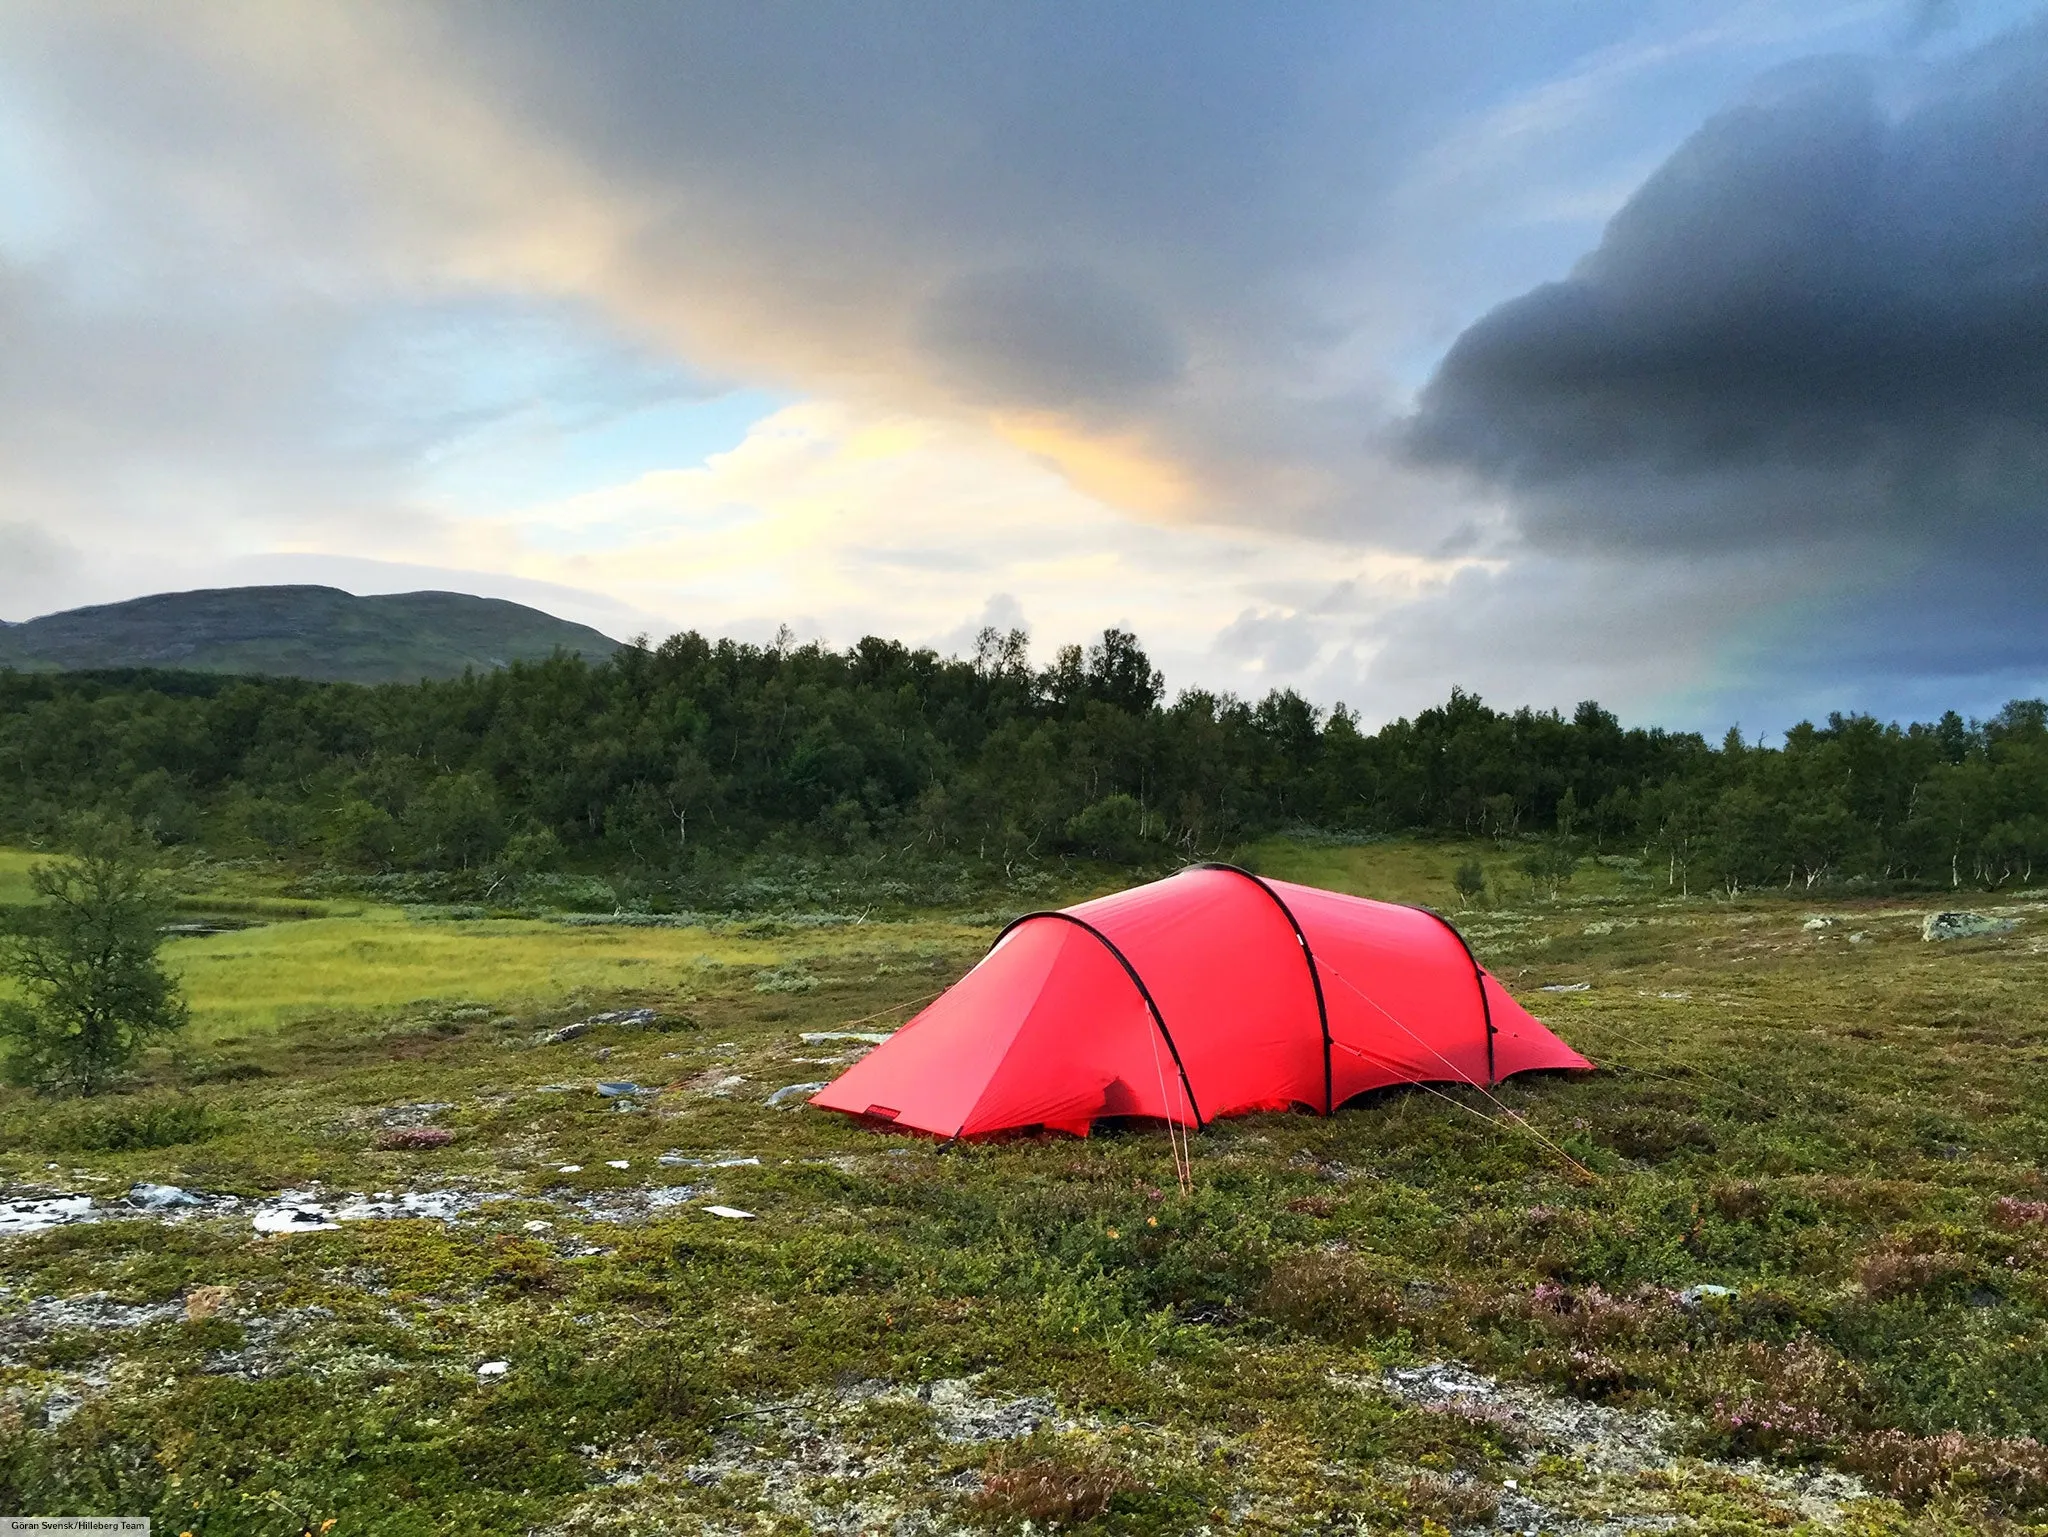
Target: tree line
671,764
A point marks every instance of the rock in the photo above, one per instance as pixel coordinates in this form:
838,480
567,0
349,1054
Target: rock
538,1226
1813,924
618,1163
494,1368
620,1090
411,1115
820,1037
59,1407
294,1218
52,1211
161,1197
570,1168
684,1161
631,1017
1964,926
1694,1296
730,1211
791,1091
445,1205
1567,987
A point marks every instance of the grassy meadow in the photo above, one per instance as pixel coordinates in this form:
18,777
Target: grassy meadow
1837,1129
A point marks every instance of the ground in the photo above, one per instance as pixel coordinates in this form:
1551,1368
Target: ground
1781,1264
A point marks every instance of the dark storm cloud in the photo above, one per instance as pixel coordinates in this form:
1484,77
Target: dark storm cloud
1825,317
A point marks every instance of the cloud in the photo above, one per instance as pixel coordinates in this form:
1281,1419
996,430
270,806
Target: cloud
1048,337
1115,310
1826,315
1818,335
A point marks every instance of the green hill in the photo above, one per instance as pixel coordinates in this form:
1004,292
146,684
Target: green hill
304,632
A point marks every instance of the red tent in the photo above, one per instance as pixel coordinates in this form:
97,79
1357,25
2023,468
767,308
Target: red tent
1214,992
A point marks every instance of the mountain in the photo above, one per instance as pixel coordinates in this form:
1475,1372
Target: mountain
304,632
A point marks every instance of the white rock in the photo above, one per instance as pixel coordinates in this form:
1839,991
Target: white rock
1693,1296
35,1216
293,1219
537,1226
730,1211
618,1163
570,1168
494,1368
1964,926
161,1197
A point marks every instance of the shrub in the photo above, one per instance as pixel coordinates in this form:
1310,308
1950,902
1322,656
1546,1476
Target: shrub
414,1139
1459,1502
1330,1294
1796,1400
2010,1471
1893,1270
1047,1492
127,1126
2011,1212
93,991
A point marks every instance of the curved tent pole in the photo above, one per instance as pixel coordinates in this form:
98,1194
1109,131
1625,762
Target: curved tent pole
1138,981
1315,976
1478,976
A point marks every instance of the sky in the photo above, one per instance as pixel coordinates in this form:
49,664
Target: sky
1690,355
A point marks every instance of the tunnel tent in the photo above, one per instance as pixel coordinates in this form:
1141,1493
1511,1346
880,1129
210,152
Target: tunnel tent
1212,993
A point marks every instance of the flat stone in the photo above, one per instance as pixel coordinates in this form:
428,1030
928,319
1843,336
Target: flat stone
294,1219
161,1197
1964,926
791,1091
51,1211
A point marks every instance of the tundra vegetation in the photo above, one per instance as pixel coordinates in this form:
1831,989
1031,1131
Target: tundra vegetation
441,1256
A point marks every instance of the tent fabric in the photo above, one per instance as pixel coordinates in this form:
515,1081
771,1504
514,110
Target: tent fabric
1211,993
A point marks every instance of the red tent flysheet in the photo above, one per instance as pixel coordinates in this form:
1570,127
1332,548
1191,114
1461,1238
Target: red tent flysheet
1214,992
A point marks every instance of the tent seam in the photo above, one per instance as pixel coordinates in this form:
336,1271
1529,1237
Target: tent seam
1315,977
1478,976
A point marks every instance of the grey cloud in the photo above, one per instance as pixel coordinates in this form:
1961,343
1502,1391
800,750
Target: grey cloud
1050,337
1816,337
1274,645
1825,314
31,561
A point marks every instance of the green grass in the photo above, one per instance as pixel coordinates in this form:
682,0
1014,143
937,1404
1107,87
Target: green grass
261,979
1850,1135
14,868
1419,872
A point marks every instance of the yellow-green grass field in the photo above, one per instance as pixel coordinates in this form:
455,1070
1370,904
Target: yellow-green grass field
14,868
261,979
